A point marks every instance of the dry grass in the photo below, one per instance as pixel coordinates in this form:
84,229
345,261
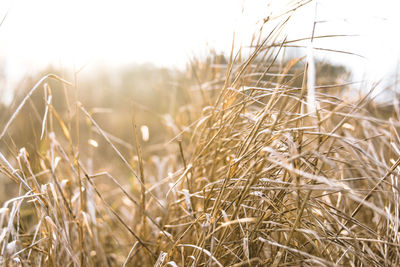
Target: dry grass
257,172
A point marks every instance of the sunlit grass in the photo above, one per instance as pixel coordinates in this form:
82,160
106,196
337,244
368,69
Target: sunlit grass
255,170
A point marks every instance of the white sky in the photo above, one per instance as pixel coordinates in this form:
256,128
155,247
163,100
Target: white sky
72,33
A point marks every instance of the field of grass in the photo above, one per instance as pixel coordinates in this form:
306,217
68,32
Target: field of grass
251,161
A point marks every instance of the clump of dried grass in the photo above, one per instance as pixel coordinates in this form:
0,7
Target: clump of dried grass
258,171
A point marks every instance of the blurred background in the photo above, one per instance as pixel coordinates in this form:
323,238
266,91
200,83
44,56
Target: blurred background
71,35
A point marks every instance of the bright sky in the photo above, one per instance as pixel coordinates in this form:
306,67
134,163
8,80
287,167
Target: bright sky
73,33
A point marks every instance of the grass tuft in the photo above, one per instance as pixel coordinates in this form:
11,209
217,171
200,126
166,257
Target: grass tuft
261,166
